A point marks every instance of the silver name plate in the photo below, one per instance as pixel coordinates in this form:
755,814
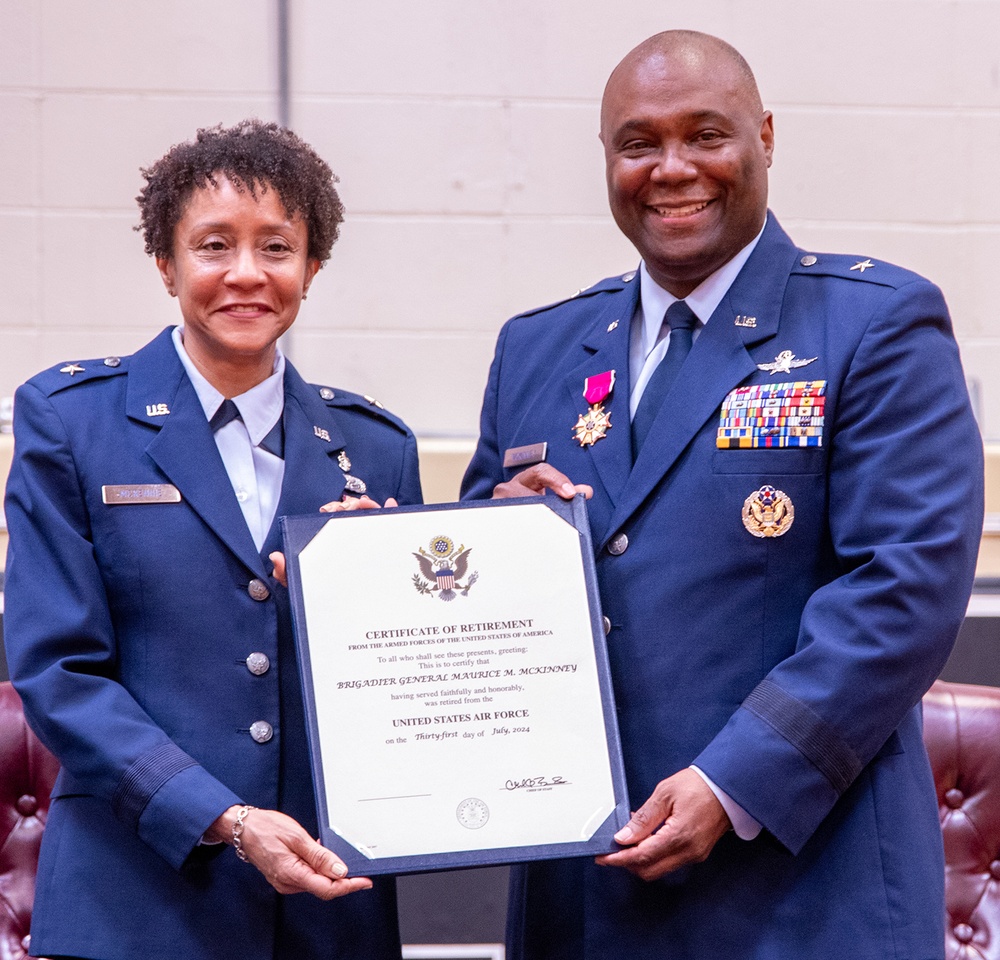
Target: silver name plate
117,493
525,456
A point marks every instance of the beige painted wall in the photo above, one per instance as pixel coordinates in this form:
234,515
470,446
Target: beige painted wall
464,132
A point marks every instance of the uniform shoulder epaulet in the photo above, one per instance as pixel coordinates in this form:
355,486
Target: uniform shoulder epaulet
63,376
852,267
607,285
335,397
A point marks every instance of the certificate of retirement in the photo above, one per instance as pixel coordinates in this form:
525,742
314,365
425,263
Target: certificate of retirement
458,702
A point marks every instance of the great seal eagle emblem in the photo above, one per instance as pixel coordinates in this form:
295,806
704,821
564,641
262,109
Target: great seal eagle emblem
442,569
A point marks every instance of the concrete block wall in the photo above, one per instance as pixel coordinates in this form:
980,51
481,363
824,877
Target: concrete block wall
465,136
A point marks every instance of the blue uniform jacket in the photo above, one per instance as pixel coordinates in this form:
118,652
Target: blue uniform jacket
789,668
128,629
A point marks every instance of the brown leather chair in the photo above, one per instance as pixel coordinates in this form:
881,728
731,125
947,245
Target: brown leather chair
962,733
27,773
961,730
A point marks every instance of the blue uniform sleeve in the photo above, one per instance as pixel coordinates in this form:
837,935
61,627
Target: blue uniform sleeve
409,482
905,517
62,652
485,470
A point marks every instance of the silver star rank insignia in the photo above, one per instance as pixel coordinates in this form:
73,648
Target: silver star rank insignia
862,265
71,368
784,362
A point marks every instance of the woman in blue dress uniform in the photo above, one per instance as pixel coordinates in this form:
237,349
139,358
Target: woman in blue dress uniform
146,633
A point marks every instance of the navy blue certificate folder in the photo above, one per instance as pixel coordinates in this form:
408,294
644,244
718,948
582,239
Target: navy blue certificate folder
459,705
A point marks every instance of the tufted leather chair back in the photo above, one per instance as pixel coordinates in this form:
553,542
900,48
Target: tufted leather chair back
27,773
962,733
961,730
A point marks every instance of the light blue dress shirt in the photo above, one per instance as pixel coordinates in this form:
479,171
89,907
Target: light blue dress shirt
647,347
255,473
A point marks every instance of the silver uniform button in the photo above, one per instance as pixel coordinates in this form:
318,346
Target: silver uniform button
258,664
618,545
112,362
258,590
607,626
326,393
808,260
261,731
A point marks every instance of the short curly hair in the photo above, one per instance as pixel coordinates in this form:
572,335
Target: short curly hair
252,155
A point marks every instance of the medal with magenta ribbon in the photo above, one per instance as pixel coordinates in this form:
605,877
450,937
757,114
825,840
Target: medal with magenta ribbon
596,422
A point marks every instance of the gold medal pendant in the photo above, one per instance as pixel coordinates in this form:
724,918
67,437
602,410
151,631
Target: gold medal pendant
592,425
768,512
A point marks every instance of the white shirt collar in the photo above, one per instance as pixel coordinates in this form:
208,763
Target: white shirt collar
703,300
260,407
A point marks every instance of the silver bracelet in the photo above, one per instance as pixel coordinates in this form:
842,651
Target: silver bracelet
238,825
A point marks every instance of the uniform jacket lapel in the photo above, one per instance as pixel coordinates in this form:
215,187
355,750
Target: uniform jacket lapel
312,474
183,446
719,361
609,350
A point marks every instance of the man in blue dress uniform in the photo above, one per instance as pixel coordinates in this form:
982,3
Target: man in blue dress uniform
785,482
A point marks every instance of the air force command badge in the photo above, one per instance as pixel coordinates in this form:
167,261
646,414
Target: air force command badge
768,512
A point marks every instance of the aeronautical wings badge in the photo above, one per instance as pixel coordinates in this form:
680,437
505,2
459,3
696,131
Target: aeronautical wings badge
784,362
768,512
442,568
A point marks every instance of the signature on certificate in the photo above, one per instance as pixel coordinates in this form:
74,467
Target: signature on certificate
533,783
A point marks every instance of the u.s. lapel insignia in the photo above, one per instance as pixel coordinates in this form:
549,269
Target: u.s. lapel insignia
71,368
862,265
321,433
768,512
612,326
596,422
784,362
157,409
744,321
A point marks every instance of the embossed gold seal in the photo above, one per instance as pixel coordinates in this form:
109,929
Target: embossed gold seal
768,512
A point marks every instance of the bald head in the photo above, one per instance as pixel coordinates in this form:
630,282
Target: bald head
687,145
695,50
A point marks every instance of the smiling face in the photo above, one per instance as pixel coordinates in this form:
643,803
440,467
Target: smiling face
239,270
687,147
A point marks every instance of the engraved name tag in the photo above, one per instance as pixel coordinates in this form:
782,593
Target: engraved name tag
115,493
525,456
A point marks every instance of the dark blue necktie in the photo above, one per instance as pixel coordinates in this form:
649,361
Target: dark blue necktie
274,442
681,320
